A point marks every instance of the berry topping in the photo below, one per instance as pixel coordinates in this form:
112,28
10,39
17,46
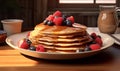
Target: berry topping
40,48
99,41
87,48
45,22
28,41
64,22
93,35
50,23
58,21
23,44
57,13
68,23
33,48
50,18
95,46
71,18
64,17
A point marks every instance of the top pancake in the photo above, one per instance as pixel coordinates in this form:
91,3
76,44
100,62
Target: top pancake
57,30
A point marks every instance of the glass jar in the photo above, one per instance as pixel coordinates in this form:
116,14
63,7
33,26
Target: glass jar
108,19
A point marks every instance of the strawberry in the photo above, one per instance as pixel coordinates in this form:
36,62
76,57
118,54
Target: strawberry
23,44
95,46
93,35
40,48
99,41
71,18
58,21
50,18
57,13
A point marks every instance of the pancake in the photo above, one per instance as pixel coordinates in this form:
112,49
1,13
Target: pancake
61,51
58,51
76,39
61,39
65,44
57,30
34,34
81,47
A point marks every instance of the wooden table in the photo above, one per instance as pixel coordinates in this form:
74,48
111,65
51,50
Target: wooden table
12,60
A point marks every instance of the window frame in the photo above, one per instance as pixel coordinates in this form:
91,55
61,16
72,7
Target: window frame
52,4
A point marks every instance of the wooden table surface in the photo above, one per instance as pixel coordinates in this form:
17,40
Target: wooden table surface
12,60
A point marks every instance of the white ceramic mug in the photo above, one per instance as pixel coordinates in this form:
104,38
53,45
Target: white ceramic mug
12,26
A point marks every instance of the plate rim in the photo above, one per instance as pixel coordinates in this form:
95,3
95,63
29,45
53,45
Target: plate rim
117,37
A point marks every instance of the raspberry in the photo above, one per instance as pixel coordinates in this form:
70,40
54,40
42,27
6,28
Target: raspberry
40,48
71,18
58,21
23,44
50,18
99,41
93,35
57,13
95,46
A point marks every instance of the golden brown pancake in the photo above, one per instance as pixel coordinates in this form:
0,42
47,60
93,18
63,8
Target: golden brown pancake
76,39
64,44
60,39
57,30
64,48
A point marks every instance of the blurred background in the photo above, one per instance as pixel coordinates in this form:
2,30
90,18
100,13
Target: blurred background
35,11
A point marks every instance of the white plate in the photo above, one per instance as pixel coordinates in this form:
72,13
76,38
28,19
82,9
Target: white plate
13,41
117,36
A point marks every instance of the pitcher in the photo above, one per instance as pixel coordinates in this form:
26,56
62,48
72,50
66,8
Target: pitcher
108,19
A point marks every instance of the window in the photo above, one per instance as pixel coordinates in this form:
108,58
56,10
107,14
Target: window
88,1
76,1
92,5
106,1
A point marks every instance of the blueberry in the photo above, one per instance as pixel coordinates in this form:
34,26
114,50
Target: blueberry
50,23
64,17
45,22
68,23
64,22
33,48
87,48
28,41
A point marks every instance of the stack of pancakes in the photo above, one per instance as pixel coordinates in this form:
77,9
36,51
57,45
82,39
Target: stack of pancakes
60,38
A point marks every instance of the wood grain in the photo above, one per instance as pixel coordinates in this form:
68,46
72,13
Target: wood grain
12,60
